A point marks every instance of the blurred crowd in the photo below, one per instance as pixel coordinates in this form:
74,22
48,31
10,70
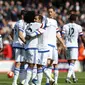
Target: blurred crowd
10,11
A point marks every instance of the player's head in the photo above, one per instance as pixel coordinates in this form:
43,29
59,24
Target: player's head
23,12
72,17
38,18
51,12
29,16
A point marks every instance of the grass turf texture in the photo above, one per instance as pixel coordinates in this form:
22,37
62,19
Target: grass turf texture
4,80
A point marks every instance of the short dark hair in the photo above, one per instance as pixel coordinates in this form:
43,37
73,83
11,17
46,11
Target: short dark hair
23,12
40,16
51,7
72,17
29,16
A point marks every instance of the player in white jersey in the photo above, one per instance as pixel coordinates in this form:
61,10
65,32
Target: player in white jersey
38,18
18,45
53,32
43,54
72,32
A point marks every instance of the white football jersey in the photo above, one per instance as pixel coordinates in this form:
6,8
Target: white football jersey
72,31
43,39
52,28
31,28
19,26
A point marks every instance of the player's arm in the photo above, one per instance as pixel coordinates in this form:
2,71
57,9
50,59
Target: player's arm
22,37
58,35
34,34
81,35
37,32
60,39
11,35
20,31
83,39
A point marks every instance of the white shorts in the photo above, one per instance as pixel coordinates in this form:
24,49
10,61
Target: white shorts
53,54
19,54
72,53
31,55
42,57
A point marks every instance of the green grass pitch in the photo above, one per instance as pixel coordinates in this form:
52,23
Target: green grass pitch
4,80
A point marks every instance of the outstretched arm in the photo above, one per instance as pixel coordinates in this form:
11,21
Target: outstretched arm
35,33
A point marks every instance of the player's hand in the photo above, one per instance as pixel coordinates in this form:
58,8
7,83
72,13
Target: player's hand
64,46
27,37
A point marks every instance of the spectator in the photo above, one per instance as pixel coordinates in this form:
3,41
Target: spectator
12,4
1,46
7,50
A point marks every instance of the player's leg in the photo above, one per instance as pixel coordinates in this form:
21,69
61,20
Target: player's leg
29,70
22,68
56,73
75,50
46,71
39,69
49,64
51,58
55,65
42,62
49,67
22,74
74,77
34,75
72,63
70,71
34,72
73,74
29,74
39,74
17,66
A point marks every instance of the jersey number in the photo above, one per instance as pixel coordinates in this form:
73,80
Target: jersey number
71,31
70,34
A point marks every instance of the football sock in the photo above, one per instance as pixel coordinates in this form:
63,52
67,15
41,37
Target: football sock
16,74
47,72
28,76
50,71
22,75
73,75
56,72
70,71
34,73
39,76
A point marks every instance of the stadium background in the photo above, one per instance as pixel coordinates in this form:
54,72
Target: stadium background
10,13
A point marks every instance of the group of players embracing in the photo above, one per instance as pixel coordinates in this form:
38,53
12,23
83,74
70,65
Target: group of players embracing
34,43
